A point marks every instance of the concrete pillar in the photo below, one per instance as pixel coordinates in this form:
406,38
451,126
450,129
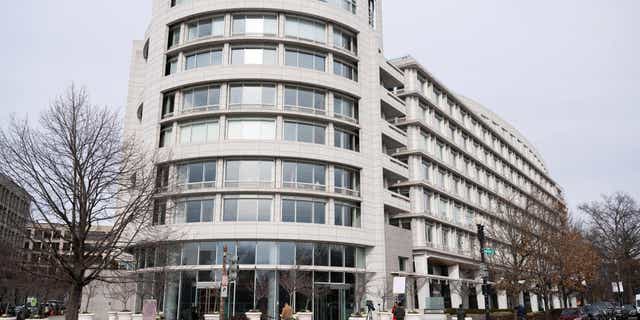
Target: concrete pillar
573,301
555,300
534,302
502,300
422,285
479,296
454,273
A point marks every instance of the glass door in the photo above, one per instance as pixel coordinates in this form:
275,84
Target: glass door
329,303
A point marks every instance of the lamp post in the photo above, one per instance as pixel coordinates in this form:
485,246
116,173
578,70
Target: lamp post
484,271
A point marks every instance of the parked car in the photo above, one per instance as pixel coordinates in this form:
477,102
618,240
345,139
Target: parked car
572,314
607,307
626,312
593,312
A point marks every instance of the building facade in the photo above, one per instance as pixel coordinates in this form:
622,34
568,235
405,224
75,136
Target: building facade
15,204
284,134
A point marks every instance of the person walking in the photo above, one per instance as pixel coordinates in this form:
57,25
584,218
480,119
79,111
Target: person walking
522,315
287,312
461,314
399,313
393,311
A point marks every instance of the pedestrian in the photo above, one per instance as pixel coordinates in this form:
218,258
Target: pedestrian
399,313
461,314
287,312
393,310
521,312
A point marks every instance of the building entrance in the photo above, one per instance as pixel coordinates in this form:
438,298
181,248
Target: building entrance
330,302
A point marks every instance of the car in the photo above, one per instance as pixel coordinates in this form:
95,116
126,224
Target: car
626,312
594,312
607,308
572,314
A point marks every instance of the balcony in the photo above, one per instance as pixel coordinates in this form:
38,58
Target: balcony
390,75
391,100
304,186
195,185
396,166
397,201
346,191
395,133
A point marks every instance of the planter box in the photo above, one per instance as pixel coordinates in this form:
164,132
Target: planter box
85,316
136,316
384,315
212,316
304,315
253,315
112,315
124,315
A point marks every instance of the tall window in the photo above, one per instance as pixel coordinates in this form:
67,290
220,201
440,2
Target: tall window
426,198
247,209
303,175
251,129
252,94
347,215
345,139
168,103
344,40
303,211
249,173
171,66
202,98
348,5
304,59
174,36
165,136
304,99
191,211
344,108
255,24
205,28
254,55
304,132
428,233
203,58
345,70
197,175
199,132
346,181
444,204
305,29
425,167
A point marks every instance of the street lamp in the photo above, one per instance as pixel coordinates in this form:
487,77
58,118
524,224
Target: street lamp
484,271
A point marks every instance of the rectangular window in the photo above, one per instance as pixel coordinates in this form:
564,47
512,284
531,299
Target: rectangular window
346,139
346,181
345,40
251,129
348,5
252,94
345,70
255,24
201,99
199,132
344,108
337,256
174,36
425,167
197,175
303,175
304,99
304,132
207,253
254,55
249,173
168,103
402,263
203,58
444,204
205,28
247,209
171,66
428,233
193,211
286,253
165,136
304,254
303,211
347,215
426,198
304,59
305,29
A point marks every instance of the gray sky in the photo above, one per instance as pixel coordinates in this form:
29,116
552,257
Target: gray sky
562,72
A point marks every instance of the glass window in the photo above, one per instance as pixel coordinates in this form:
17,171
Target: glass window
171,66
168,103
252,94
205,28
303,175
304,132
337,259
348,5
174,36
345,179
253,129
192,211
266,252
249,173
304,254
344,107
203,59
347,215
254,55
304,59
306,29
247,209
304,99
199,132
202,98
246,252
321,254
346,70
349,257
303,211
231,251
344,40
200,174
286,253
207,255
165,136
189,253
255,24
346,140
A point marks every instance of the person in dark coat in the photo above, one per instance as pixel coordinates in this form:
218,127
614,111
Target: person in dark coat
521,313
399,312
461,314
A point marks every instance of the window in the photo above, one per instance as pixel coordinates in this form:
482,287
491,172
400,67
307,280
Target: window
255,25
207,253
305,29
246,252
347,215
304,59
253,55
286,253
247,209
440,151
174,36
372,13
428,233
248,94
402,263
346,181
425,167
344,108
205,28
304,132
345,139
443,207
171,66
266,252
426,198
189,253
303,175
349,5
304,254
203,59
440,181
346,70
199,132
168,103
165,136
192,211
202,98
304,99
303,211
321,254
337,256
197,175
159,213
254,129
344,40
248,173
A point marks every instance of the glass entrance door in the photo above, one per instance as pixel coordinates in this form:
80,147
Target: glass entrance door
329,303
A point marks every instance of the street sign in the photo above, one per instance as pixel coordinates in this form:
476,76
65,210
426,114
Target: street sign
224,284
489,251
399,285
617,287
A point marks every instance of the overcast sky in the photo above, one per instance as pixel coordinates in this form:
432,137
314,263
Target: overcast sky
565,73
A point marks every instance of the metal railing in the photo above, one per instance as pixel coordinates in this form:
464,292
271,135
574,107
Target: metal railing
304,186
249,184
305,110
347,191
195,185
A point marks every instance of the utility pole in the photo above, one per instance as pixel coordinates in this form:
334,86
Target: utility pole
223,283
484,271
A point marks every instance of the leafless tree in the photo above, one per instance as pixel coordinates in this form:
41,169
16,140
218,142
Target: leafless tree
362,288
296,281
122,288
90,292
82,172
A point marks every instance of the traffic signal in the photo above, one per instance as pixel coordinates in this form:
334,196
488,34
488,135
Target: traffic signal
233,269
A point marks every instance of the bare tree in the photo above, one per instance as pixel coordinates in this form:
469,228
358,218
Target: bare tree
122,288
296,281
82,172
362,288
90,292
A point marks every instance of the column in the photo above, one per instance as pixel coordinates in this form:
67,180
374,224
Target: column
455,286
502,300
422,286
479,295
534,302
555,300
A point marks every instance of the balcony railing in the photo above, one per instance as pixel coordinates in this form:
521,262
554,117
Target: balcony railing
200,109
195,185
305,110
304,186
249,184
345,117
346,191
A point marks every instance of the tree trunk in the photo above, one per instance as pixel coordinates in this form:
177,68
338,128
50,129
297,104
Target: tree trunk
75,300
